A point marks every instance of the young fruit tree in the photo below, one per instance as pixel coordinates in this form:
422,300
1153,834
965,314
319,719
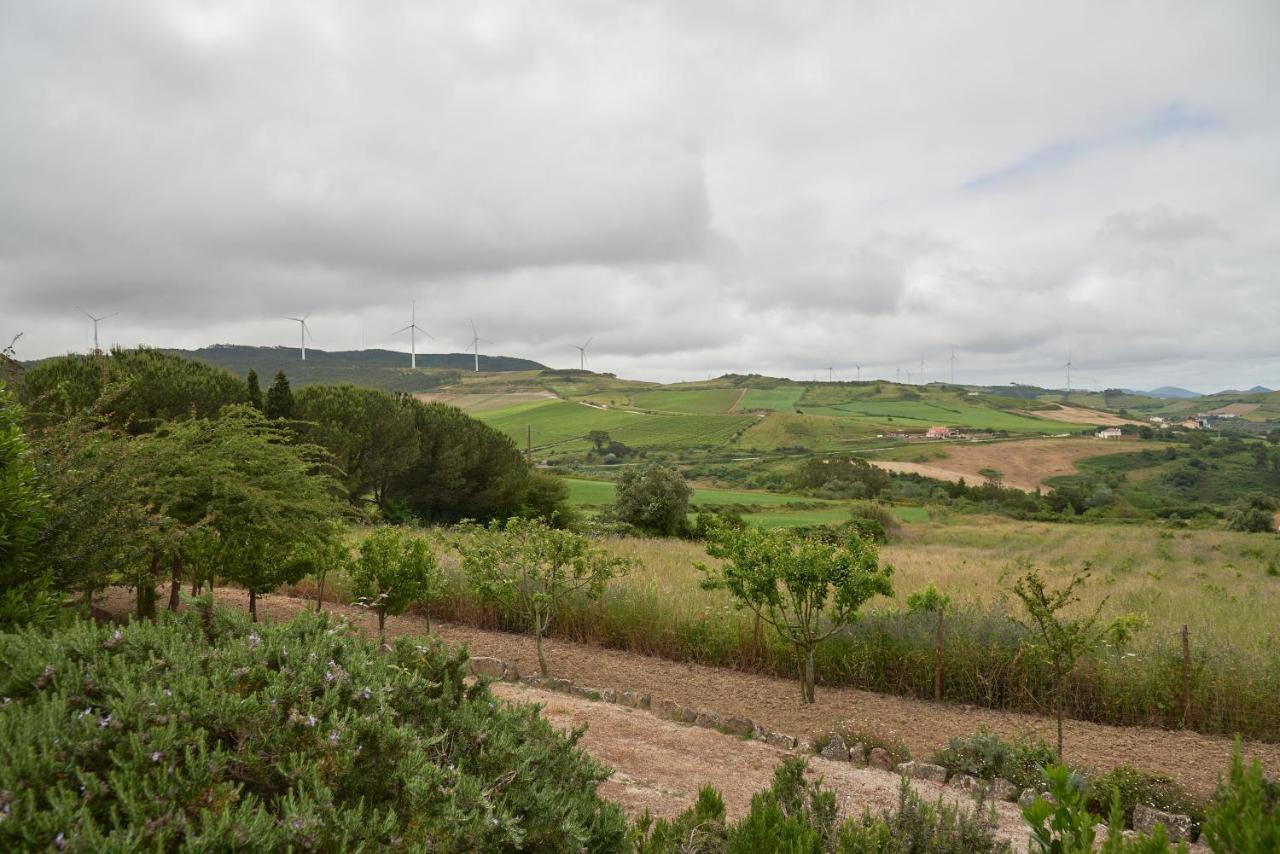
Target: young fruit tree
395,568
531,568
807,588
1061,641
930,601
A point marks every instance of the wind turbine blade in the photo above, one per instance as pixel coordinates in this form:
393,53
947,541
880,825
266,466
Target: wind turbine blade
112,314
405,329
588,344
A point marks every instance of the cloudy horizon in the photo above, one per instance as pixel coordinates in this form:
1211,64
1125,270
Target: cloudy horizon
699,188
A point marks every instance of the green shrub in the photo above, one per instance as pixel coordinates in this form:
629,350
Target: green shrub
917,827
794,815
201,731
1244,817
1134,787
698,830
869,738
1063,823
986,755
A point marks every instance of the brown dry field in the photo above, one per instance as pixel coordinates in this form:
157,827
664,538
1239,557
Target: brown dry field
1081,415
1193,759
1026,463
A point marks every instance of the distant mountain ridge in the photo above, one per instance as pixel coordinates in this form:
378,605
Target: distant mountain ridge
239,358
1171,392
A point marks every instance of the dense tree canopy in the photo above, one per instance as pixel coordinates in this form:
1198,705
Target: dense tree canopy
464,469
132,389
371,434
654,498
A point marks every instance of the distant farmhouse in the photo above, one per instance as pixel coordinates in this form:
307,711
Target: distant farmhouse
938,433
1109,433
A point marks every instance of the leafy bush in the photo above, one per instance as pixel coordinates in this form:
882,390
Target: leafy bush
797,815
202,731
918,827
1063,823
869,738
1133,787
654,498
986,755
1244,817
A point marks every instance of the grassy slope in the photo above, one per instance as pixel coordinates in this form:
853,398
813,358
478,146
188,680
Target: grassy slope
782,399
563,424
770,509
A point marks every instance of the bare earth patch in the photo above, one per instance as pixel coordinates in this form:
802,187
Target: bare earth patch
1081,415
1025,464
1194,760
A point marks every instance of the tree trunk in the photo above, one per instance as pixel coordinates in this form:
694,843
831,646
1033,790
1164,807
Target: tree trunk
756,650
195,585
175,584
1058,692
806,681
320,594
147,590
542,658
937,662
253,605
382,626
426,612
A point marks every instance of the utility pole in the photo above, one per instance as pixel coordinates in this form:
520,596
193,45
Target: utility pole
528,454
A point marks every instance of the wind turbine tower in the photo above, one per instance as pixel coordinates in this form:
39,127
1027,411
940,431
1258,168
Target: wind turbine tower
96,320
476,340
303,331
1068,370
413,329
582,353
922,372
859,370
830,374
953,367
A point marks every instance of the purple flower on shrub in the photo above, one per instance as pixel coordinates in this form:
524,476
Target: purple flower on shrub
104,722
333,738
254,640
157,756
311,720
60,841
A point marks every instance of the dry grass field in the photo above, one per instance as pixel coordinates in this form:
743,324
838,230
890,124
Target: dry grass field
1025,463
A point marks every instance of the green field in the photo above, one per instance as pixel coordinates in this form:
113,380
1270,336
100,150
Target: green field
775,511
562,425
922,414
703,401
782,399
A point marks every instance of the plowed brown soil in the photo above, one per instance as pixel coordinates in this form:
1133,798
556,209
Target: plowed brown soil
1194,760
1025,464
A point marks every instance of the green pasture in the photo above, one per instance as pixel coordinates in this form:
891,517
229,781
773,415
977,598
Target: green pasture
782,399
776,511
703,401
563,425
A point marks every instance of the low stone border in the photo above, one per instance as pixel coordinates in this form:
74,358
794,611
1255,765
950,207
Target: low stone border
835,749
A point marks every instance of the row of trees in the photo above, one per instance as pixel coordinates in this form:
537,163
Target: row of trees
142,467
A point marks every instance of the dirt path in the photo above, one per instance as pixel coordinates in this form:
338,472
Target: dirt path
659,766
1194,760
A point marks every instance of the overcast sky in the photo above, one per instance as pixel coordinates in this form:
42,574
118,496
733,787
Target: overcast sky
702,187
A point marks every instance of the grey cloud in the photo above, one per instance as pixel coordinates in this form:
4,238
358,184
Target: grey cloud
710,184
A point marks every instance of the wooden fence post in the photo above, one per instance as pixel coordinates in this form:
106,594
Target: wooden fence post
1186,676
937,660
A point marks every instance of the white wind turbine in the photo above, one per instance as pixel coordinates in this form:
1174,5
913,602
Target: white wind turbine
303,331
96,321
582,353
1068,366
476,341
858,368
413,329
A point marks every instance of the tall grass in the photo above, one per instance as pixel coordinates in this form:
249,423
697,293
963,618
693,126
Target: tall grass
1213,582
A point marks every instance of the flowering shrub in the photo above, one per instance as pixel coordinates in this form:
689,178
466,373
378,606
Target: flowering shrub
202,731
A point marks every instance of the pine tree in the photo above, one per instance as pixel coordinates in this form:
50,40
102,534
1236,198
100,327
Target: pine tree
279,398
254,397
